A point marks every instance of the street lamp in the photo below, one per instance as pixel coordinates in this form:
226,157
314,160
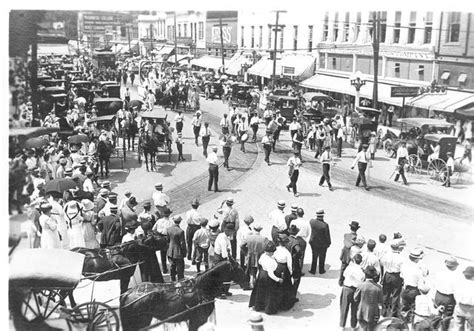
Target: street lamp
357,82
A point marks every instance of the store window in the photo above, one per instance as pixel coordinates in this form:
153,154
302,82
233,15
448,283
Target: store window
383,26
260,37
397,69
412,28
252,40
397,26
454,20
335,28
428,28
346,27
325,27
201,30
242,37
334,62
421,72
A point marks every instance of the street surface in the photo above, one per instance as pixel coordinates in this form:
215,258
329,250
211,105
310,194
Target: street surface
436,218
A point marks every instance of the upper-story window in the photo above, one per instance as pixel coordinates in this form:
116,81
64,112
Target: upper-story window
396,28
454,21
335,29
412,28
345,33
325,27
428,28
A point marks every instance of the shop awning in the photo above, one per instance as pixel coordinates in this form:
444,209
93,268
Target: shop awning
236,62
264,68
54,49
466,113
447,102
181,58
297,66
343,85
208,62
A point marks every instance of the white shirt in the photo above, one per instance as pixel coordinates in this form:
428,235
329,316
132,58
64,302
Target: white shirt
282,255
381,249
222,245
294,126
179,118
243,233
326,157
295,162
129,237
162,225
370,259
412,274
205,132
360,157
87,186
225,122
464,292
268,264
196,121
160,199
424,306
212,158
446,281
353,275
402,152
277,218
450,164
254,120
193,217
303,226
391,262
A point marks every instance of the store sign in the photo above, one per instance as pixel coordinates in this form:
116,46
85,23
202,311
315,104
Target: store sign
404,91
229,31
288,70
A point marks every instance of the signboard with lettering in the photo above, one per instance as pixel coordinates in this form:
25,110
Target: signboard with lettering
404,91
229,30
95,23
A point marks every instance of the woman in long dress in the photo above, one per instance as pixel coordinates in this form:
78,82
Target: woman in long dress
88,224
73,213
265,295
50,234
285,264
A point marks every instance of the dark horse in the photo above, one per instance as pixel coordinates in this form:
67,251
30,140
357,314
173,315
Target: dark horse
139,305
113,264
148,145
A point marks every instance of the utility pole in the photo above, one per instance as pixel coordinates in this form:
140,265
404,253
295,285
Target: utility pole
34,75
151,40
275,45
376,47
175,42
222,46
128,34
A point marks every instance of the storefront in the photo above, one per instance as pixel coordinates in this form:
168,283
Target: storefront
208,62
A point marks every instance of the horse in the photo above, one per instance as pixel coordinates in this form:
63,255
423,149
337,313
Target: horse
118,261
139,305
104,150
183,96
148,145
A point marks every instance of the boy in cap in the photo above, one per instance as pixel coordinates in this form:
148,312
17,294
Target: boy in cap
201,245
179,146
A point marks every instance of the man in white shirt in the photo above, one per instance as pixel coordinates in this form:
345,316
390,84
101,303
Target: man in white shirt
277,220
445,283
326,160
449,169
213,169
369,258
294,164
206,137
222,250
267,142
242,235
225,123
179,119
361,160
353,276
254,122
402,159
193,221
196,122
294,126
160,199
87,186
302,224
464,296
392,282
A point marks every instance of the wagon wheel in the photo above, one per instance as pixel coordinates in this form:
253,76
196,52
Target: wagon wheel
437,171
388,147
95,316
39,305
414,165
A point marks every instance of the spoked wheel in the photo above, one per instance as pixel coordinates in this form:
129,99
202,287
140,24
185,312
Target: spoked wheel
388,147
95,316
414,165
39,305
437,171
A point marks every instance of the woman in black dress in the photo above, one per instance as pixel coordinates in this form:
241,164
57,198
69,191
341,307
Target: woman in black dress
265,294
285,263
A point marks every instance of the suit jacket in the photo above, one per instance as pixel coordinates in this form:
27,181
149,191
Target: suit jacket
320,236
297,252
111,230
368,296
349,239
177,245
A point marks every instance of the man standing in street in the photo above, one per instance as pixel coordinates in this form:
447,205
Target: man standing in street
353,277
302,224
254,122
212,159
361,160
267,142
445,284
464,296
179,119
225,123
294,164
298,140
222,248
176,249
193,221
292,215
226,142
196,122
402,159
160,200
206,137
339,138
392,282
111,229
413,275
326,160
319,240
296,249
293,127
369,298
277,220
230,215
349,240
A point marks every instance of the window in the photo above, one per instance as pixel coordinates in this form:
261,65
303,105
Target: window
201,30
170,33
371,24
428,27
252,41
462,78
325,27
281,37
179,30
421,72
397,69
185,28
242,40
191,28
335,29
412,28
334,61
269,36
260,37
310,38
357,25
295,38
396,28
445,77
345,33
195,32
383,26
454,21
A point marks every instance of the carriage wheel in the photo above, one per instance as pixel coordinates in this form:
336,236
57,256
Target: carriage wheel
96,316
39,305
388,147
437,171
414,165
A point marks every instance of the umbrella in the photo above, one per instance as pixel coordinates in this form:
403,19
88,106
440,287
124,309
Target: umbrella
77,139
35,143
115,105
59,185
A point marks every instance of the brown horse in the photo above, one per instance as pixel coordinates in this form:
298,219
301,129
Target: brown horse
139,305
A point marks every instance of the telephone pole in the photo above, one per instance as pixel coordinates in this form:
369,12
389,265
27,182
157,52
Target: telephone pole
175,42
222,46
376,47
151,41
277,27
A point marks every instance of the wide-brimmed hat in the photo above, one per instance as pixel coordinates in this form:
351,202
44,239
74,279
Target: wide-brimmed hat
451,262
469,271
105,184
159,186
257,227
132,225
281,203
229,201
88,205
213,223
417,253
229,226
203,221
45,206
354,224
113,207
255,319
320,212
195,202
370,272
248,219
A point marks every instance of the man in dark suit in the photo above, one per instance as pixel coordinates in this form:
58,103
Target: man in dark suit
296,249
349,240
320,240
176,249
369,298
111,229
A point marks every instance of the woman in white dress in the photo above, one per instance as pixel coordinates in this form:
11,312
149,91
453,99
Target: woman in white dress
73,214
88,224
50,234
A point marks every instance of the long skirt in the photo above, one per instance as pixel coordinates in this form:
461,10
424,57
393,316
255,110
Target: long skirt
88,231
265,294
285,290
76,238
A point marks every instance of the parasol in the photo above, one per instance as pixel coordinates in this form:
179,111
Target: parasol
77,139
35,143
59,185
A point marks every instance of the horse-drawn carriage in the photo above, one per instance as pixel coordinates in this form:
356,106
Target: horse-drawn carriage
215,88
317,106
363,122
